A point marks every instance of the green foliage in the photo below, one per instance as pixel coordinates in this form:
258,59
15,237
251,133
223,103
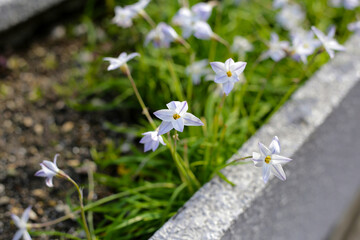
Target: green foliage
160,77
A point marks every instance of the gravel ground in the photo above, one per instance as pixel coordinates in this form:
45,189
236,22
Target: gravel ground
35,124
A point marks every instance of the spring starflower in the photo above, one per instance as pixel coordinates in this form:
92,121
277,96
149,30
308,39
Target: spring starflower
120,61
151,140
303,45
176,116
138,7
329,43
162,36
21,223
354,27
270,160
124,15
228,73
197,70
291,16
49,170
277,49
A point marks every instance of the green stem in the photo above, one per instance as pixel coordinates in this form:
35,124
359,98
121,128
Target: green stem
88,235
147,18
142,104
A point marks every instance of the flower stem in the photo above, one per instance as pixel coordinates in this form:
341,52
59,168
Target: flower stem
141,102
88,235
147,18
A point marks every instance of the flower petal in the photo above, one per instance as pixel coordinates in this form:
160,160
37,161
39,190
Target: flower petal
18,234
49,181
173,105
218,67
161,140
319,34
165,127
182,108
275,146
223,78
165,114
26,235
147,146
40,173
16,220
277,159
191,120
238,67
266,172
25,216
278,171
145,139
51,166
228,64
155,145
178,124
264,150
228,86
132,55
258,161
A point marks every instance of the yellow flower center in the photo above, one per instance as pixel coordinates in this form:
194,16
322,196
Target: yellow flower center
268,159
306,45
176,116
229,74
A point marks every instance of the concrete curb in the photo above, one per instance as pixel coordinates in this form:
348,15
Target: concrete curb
211,212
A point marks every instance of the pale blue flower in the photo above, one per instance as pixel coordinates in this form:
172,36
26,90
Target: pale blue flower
123,17
176,116
21,223
162,36
270,160
48,171
290,17
277,49
328,41
354,27
139,6
303,45
351,4
241,46
197,70
279,3
120,61
228,73
151,140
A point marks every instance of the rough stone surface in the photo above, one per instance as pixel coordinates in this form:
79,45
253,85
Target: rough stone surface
13,12
217,210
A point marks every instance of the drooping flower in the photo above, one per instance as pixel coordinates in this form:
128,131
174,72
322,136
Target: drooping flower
120,61
161,36
49,170
241,46
176,116
228,73
21,223
291,16
329,43
270,160
124,15
277,49
197,70
151,140
303,45
354,27
193,22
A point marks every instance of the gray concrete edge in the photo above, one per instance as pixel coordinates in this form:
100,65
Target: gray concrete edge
211,211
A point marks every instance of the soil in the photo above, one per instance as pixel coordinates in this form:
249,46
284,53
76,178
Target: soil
35,124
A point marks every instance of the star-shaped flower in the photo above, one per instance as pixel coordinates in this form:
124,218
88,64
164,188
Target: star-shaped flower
151,140
303,45
123,17
277,49
291,16
228,73
176,116
120,61
49,170
329,43
21,223
270,160
162,36
197,70
139,6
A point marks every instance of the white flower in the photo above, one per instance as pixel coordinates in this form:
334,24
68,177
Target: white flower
277,49
270,160
193,22
21,223
303,45
176,116
354,27
139,6
330,44
48,171
241,45
351,4
161,36
120,61
197,70
151,140
228,73
279,3
123,17
290,17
